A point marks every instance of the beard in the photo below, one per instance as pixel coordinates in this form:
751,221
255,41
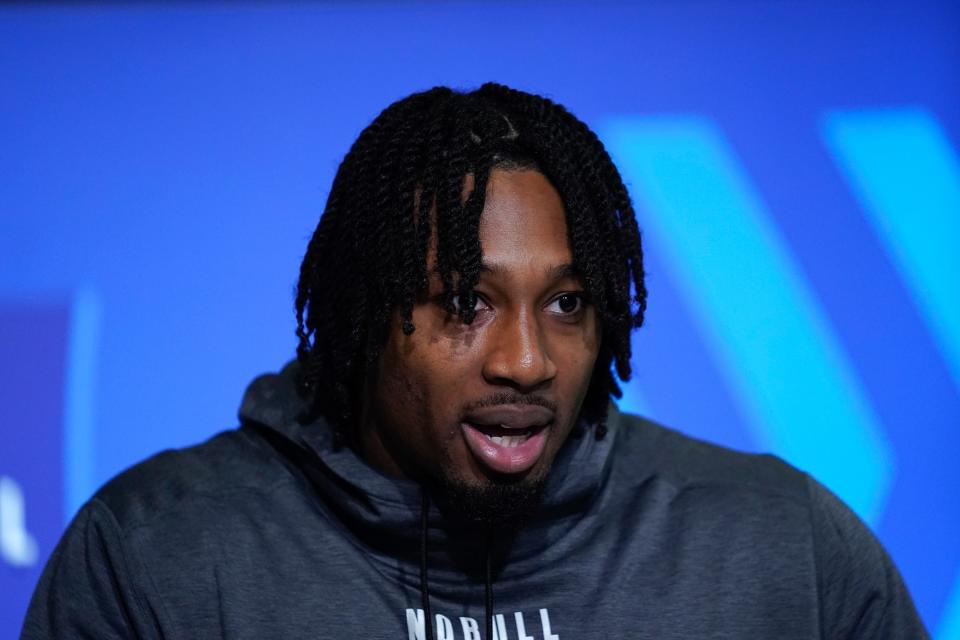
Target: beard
501,502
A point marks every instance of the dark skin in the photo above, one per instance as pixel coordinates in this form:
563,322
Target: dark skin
534,340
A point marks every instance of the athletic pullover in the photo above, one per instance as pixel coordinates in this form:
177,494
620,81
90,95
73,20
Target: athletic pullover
270,531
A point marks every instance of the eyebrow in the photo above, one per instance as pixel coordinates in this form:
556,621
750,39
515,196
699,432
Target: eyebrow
555,272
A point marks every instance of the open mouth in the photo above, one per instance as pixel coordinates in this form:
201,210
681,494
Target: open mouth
509,438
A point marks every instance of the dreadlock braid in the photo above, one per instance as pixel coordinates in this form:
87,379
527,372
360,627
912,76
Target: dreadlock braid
403,182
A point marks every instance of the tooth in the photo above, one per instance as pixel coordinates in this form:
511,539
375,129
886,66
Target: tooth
509,441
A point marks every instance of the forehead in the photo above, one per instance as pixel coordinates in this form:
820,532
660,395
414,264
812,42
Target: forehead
523,221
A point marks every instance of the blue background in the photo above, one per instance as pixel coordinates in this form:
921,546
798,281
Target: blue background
794,164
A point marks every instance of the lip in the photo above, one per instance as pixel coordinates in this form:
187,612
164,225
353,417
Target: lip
510,416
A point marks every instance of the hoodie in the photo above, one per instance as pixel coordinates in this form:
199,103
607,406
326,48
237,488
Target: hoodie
271,531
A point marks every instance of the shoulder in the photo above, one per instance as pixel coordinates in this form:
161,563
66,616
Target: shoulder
152,533
779,517
688,464
232,467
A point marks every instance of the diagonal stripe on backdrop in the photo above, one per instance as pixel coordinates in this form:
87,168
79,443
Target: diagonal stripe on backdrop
907,176
80,392
949,628
755,309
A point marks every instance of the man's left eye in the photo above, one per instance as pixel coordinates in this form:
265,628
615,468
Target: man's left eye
566,304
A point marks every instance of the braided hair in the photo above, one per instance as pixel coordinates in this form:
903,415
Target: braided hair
402,183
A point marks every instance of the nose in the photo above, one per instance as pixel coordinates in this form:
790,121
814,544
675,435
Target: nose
517,354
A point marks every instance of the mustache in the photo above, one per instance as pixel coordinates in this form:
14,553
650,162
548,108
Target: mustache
509,398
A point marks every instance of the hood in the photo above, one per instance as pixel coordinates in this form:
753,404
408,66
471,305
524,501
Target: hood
385,512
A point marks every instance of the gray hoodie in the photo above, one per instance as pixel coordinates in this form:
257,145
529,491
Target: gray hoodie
271,531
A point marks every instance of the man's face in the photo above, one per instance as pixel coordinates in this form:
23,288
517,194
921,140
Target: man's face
489,404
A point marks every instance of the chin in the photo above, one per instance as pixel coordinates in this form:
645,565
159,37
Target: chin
501,501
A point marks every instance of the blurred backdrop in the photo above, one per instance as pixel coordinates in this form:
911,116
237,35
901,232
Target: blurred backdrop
794,164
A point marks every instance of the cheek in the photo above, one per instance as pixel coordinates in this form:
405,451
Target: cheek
420,387
400,394
577,358
580,354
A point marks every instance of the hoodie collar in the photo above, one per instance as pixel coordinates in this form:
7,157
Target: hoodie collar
384,512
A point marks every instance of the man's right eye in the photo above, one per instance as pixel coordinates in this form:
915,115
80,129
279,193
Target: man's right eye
475,300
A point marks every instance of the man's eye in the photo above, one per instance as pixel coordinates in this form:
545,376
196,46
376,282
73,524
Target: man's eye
478,302
566,304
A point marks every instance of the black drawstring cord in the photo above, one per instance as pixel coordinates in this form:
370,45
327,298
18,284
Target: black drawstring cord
424,589
488,587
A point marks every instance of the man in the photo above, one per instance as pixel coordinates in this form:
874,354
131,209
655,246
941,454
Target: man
443,459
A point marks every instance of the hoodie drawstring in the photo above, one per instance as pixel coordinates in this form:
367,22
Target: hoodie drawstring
488,586
424,588
424,583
